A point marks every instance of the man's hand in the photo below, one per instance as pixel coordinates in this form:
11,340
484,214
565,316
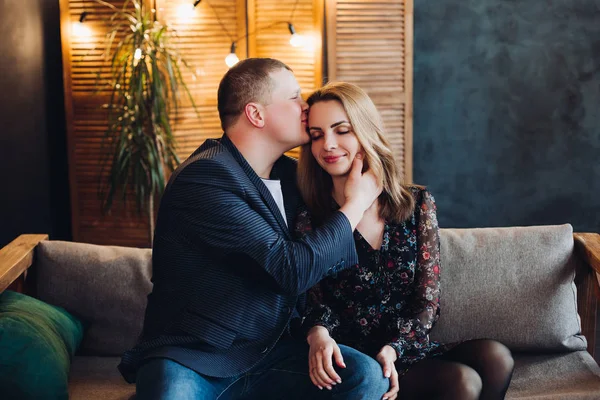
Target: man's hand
323,349
386,357
361,190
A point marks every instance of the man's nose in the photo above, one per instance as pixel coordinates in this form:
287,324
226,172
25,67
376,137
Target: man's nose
303,104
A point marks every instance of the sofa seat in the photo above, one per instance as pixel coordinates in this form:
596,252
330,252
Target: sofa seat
94,378
573,376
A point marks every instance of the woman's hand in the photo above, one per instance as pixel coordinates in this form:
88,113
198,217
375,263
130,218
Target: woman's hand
387,357
323,350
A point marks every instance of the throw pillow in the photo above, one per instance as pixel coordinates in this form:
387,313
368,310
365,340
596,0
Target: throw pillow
37,342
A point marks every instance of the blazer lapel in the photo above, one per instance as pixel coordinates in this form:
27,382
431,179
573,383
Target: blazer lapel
258,183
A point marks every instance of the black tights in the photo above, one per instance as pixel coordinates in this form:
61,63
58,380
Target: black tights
476,369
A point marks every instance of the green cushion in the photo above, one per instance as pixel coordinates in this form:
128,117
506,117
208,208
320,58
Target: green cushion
37,342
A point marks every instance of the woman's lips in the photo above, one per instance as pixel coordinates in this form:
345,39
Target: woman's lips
331,159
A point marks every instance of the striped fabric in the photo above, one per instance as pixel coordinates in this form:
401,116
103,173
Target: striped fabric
227,273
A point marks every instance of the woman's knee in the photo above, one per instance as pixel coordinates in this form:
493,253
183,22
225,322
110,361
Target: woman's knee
497,358
463,383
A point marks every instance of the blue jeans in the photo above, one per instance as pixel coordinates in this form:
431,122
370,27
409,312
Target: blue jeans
283,374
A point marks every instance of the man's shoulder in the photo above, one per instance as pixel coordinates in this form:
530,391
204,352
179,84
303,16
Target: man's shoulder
210,150
212,160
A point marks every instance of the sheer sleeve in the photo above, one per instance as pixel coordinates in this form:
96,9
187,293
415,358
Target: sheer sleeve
423,310
317,311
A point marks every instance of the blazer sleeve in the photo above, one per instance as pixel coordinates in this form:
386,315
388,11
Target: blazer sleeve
212,210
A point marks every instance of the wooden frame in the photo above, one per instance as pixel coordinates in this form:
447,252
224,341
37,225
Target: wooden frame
18,256
344,59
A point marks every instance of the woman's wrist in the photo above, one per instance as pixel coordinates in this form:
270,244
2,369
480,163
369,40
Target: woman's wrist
317,331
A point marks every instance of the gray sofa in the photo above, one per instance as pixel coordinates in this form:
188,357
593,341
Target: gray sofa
521,285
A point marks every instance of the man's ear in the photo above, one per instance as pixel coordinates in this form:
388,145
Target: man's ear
256,114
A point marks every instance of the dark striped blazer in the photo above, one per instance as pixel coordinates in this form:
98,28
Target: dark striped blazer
228,274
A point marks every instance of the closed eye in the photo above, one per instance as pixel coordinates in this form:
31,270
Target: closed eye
316,134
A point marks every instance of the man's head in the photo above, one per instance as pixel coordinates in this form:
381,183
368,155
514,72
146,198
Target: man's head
246,82
266,94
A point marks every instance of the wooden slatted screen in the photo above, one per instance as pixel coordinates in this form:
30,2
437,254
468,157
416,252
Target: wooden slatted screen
205,37
201,41
370,43
269,36
86,124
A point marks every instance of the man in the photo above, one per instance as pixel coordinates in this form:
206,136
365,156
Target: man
228,274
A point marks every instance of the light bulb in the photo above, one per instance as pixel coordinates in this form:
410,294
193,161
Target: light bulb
185,10
297,40
231,59
81,30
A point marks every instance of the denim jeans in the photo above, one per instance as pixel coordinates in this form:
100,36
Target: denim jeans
283,374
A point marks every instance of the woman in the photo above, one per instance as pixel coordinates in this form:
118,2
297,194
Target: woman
387,305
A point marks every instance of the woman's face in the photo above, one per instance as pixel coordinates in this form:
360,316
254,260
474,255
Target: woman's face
333,142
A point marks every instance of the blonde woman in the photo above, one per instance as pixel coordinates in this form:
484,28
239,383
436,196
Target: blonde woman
387,304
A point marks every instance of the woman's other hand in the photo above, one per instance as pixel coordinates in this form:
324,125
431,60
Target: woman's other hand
323,350
387,357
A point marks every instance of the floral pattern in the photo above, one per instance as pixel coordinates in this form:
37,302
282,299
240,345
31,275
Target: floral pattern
392,296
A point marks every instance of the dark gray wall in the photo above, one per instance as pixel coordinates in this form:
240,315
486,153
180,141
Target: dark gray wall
507,111
33,159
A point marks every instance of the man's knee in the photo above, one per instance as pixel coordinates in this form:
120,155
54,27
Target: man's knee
364,371
163,379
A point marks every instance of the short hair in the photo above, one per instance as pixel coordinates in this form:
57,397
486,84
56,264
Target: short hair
247,81
396,202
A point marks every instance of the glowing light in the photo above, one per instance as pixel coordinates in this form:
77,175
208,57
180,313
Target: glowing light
231,59
81,30
297,40
185,11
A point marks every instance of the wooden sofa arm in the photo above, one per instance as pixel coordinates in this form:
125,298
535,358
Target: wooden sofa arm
587,246
16,257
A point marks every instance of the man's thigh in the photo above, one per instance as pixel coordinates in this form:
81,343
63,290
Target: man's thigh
283,374
164,379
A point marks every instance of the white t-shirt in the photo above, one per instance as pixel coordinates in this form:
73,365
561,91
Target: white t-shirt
274,187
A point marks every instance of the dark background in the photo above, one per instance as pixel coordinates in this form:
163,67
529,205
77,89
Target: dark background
33,158
507,111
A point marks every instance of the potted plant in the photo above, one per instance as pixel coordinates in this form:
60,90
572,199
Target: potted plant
145,87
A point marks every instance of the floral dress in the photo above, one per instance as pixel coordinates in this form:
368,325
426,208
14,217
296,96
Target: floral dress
392,297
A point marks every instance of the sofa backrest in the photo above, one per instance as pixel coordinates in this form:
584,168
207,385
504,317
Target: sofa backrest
510,284
513,284
106,287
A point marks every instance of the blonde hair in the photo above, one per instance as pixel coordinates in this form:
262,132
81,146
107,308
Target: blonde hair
396,202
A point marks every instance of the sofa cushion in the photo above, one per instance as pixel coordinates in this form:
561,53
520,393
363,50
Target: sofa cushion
105,286
562,376
510,284
37,341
